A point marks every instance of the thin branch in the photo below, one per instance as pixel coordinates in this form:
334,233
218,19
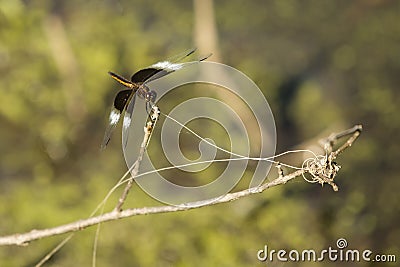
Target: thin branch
135,171
355,132
25,238
54,250
148,130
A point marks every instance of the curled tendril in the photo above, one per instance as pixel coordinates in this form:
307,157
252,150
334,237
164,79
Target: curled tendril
322,170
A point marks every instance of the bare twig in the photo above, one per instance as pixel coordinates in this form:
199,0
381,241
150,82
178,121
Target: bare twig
54,250
25,238
148,130
135,170
355,132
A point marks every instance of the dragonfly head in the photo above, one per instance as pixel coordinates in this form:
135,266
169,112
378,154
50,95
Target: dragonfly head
151,96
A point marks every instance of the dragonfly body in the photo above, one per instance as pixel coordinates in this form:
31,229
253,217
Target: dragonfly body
121,103
124,100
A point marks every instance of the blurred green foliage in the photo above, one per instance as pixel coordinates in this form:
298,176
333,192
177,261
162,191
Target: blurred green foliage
323,66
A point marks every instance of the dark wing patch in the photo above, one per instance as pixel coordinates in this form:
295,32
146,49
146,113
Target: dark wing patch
121,99
159,74
144,74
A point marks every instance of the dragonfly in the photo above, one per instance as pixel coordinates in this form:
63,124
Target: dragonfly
124,100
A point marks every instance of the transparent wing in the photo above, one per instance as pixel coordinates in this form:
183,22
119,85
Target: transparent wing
161,68
115,114
168,66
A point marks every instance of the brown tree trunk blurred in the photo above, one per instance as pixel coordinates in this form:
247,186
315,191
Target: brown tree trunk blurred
205,28
67,66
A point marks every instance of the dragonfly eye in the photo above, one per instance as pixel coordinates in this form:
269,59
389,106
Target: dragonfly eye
151,96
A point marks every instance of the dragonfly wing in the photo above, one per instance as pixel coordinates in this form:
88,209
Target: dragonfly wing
144,74
165,68
160,69
168,66
120,102
127,121
121,99
115,114
181,56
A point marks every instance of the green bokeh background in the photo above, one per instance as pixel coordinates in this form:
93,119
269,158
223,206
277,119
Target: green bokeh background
322,65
